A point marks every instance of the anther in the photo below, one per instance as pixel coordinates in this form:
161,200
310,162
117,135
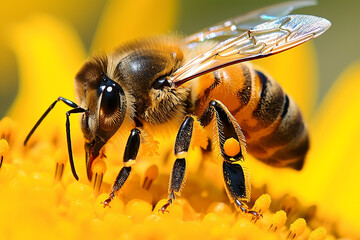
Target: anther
4,148
262,204
318,234
61,159
289,204
151,174
98,169
7,130
278,221
297,228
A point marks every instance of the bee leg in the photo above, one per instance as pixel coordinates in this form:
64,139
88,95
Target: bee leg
131,151
182,144
231,142
236,188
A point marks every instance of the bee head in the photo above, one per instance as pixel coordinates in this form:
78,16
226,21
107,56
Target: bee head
105,103
132,81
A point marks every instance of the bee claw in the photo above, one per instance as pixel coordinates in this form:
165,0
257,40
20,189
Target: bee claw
106,203
163,209
256,215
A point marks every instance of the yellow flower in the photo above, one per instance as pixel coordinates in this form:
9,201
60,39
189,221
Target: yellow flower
40,199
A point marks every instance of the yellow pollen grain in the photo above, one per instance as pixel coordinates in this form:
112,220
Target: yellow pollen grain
211,220
117,206
175,211
81,210
219,208
138,210
231,147
114,224
199,137
79,191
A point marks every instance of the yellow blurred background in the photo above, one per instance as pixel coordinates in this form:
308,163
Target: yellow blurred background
335,50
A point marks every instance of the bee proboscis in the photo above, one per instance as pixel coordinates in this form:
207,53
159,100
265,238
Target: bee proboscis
202,79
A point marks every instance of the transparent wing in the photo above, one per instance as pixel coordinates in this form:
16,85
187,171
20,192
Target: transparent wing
240,24
261,41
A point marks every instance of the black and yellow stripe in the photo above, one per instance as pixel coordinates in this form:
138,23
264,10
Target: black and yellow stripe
287,142
270,119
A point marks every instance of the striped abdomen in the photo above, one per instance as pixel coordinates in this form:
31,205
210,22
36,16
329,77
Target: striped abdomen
270,119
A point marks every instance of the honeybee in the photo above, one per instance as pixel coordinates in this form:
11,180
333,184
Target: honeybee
202,80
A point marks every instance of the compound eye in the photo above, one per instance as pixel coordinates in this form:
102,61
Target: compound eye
160,83
110,101
109,108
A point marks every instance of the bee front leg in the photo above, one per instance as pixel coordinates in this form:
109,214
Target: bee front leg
231,143
131,151
182,144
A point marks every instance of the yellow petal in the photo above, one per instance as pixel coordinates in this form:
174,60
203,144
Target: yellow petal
125,20
49,53
295,70
335,164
